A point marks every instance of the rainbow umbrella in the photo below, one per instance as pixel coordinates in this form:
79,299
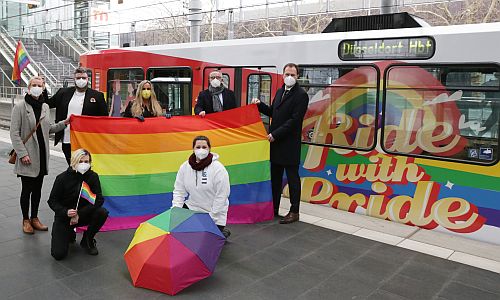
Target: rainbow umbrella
174,250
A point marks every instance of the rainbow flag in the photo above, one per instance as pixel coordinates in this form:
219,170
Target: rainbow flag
87,194
21,61
137,162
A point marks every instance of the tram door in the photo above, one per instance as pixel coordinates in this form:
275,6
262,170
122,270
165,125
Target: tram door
173,88
248,83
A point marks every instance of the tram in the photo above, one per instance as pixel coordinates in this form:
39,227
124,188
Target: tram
402,124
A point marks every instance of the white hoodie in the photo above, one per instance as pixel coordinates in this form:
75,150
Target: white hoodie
207,190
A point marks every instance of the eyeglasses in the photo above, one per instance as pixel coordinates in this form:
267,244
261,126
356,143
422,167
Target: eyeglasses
213,77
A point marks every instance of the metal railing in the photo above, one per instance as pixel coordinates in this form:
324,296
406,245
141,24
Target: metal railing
6,79
82,49
43,51
8,50
67,68
65,48
9,96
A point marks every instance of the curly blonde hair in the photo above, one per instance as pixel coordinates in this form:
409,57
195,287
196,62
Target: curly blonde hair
137,109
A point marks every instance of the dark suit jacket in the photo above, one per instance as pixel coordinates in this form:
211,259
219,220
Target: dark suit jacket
205,102
93,105
286,115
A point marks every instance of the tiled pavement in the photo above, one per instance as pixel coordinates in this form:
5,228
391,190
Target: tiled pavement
261,261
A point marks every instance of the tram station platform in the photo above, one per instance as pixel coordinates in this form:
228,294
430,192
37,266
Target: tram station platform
330,254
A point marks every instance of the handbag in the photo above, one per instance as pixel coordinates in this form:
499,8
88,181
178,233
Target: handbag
12,153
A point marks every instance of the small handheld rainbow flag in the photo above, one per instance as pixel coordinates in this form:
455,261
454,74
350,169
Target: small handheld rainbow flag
21,61
87,194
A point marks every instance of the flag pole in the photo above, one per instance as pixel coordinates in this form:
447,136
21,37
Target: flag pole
79,196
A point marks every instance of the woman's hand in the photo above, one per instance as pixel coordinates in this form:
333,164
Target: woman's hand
67,121
74,220
26,160
255,101
71,213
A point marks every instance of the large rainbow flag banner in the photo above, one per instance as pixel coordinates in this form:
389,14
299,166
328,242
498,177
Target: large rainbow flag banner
137,162
21,61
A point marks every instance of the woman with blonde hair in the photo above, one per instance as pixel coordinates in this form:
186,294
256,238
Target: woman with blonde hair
29,132
145,104
73,209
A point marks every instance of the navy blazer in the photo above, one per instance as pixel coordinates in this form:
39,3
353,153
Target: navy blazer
287,114
205,103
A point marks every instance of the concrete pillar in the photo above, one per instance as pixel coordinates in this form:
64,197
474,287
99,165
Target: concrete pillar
230,25
194,18
388,6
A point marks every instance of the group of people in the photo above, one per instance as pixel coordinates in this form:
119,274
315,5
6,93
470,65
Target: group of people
202,182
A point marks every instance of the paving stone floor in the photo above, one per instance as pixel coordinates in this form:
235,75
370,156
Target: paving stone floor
260,261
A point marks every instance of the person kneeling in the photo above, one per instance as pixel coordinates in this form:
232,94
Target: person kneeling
76,199
205,181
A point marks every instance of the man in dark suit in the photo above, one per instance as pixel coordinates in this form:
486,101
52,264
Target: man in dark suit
287,112
76,100
216,98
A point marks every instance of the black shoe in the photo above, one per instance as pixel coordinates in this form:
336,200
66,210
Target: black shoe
89,245
226,233
72,236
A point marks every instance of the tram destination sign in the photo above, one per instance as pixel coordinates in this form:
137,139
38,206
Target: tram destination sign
390,48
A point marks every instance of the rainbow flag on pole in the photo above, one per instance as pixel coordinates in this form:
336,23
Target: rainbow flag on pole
21,61
137,162
87,194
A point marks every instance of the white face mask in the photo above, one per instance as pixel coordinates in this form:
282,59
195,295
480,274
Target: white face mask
201,153
81,83
289,81
82,167
36,91
215,83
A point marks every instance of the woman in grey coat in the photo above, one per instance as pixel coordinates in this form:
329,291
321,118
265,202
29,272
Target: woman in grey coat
33,157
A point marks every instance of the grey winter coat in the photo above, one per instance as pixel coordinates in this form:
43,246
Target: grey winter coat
21,124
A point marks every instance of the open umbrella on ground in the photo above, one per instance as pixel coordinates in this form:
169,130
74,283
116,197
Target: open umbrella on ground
174,250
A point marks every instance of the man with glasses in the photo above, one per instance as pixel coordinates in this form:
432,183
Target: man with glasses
76,100
216,98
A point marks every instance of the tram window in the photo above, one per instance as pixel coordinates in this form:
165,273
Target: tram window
259,86
183,72
451,112
173,89
121,88
226,80
89,74
342,105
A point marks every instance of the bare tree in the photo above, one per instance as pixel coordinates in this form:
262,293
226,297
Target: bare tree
173,28
458,12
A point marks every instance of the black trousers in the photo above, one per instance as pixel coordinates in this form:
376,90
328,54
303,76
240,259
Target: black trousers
31,188
292,175
62,231
66,148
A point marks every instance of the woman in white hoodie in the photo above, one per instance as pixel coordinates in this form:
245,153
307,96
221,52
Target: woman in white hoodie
205,182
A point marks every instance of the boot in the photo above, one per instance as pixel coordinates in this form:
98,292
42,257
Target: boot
37,225
27,228
89,244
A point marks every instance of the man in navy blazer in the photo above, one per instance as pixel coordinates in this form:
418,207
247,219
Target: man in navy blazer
216,98
287,113
76,100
